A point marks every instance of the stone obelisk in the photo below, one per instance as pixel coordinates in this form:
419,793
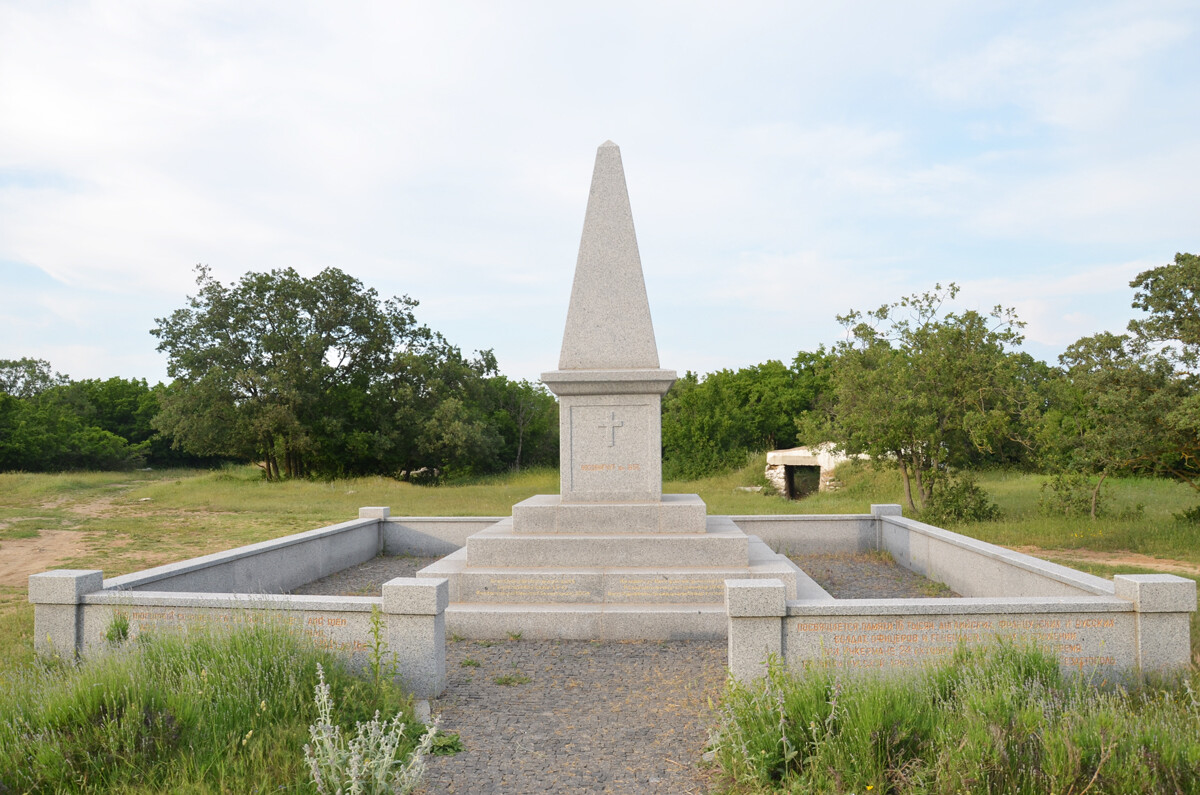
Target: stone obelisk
610,386
610,556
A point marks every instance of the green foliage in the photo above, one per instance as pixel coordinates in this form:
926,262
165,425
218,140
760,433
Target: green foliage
1170,295
959,500
318,376
27,378
1070,494
219,712
117,631
1001,719
711,424
923,390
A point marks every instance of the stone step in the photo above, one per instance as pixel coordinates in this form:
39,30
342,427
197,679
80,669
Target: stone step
612,584
546,513
586,622
722,545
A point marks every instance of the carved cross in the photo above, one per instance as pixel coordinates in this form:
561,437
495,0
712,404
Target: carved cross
612,423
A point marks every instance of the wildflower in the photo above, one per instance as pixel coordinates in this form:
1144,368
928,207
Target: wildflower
262,705
247,737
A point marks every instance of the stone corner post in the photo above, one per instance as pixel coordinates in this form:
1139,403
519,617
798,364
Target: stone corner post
57,598
381,513
415,609
756,609
1162,630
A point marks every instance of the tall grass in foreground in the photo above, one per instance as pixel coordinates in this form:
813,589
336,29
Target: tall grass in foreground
220,712
999,720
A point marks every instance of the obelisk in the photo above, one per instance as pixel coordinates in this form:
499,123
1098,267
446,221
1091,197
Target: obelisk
610,385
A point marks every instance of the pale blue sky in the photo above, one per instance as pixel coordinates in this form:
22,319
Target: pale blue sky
786,162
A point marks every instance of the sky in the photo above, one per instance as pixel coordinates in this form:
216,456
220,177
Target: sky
786,161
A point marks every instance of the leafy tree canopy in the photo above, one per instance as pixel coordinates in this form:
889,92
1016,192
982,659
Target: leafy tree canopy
923,389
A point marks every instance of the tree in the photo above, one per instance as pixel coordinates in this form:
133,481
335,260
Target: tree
26,378
1111,410
923,390
266,366
1170,295
710,424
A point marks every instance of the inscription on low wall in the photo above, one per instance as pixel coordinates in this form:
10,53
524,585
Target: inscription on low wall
342,632
675,589
1087,641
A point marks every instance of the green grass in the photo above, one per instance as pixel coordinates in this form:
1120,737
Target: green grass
224,712
1004,719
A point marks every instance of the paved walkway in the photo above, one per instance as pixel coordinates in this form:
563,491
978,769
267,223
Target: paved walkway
592,717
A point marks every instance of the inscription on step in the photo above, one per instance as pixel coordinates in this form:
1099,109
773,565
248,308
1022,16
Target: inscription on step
675,589
1083,641
534,589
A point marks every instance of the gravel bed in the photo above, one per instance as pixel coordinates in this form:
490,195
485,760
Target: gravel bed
578,716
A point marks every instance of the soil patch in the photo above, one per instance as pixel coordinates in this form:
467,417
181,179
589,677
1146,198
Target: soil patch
21,557
1118,558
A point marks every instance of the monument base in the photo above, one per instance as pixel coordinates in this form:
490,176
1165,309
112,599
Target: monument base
547,513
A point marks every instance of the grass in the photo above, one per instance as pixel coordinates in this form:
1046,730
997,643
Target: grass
224,712
1005,719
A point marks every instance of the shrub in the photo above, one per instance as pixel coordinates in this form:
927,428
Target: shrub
998,719
957,501
1070,494
372,763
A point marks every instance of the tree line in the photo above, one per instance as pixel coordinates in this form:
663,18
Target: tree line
320,377
936,393
306,377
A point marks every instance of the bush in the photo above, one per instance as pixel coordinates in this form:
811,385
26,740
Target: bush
1070,494
959,500
196,712
998,719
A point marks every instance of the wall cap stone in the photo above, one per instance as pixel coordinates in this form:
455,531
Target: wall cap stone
64,586
887,509
757,598
377,512
1157,593
426,596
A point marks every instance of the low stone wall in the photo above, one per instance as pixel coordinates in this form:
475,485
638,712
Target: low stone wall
73,609
1091,624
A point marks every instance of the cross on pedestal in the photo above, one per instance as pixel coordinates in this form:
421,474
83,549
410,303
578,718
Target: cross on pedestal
612,423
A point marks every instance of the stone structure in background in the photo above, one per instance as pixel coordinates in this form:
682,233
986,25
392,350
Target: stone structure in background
800,471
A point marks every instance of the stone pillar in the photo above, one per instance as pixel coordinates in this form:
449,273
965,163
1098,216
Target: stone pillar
381,513
416,632
57,598
1162,625
756,610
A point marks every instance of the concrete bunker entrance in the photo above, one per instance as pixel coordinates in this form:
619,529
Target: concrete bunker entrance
801,480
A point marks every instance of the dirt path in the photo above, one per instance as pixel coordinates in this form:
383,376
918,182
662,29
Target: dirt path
20,557
1119,558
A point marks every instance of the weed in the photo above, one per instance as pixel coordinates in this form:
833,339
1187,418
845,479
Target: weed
117,631
508,680
514,636
469,663
447,744
370,763
485,643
